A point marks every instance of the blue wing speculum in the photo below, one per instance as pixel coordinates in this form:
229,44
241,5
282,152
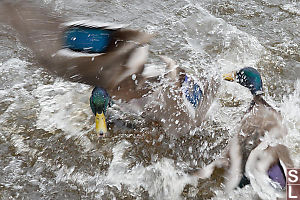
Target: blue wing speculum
192,92
89,37
89,40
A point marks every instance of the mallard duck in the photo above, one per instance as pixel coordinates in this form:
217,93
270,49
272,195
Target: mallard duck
104,55
253,155
182,103
111,58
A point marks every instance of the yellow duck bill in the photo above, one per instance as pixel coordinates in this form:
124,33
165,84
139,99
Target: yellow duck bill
101,127
229,76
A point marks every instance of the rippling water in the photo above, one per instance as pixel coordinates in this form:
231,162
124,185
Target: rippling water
47,146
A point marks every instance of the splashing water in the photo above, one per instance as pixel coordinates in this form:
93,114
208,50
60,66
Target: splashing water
290,109
47,146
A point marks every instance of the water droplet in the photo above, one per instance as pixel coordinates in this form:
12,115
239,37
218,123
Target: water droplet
133,76
190,149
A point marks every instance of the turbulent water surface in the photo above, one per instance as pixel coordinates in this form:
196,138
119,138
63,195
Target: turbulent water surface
48,149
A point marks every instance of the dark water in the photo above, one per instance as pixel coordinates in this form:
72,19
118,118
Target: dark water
47,146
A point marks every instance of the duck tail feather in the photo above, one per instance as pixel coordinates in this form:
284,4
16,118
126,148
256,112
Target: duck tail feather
263,165
174,71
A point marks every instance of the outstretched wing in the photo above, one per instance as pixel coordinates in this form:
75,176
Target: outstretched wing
37,27
98,54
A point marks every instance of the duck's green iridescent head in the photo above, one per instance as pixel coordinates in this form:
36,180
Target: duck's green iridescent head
247,77
99,101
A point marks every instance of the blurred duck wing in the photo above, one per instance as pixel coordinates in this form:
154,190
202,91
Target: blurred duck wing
85,51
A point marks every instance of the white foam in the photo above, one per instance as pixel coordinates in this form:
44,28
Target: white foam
228,47
162,180
290,109
246,192
13,73
65,106
293,8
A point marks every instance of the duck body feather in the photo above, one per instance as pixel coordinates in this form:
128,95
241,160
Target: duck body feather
260,120
254,155
179,103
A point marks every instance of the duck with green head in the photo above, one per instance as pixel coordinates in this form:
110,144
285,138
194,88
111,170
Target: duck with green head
110,58
99,102
103,55
251,157
247,77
